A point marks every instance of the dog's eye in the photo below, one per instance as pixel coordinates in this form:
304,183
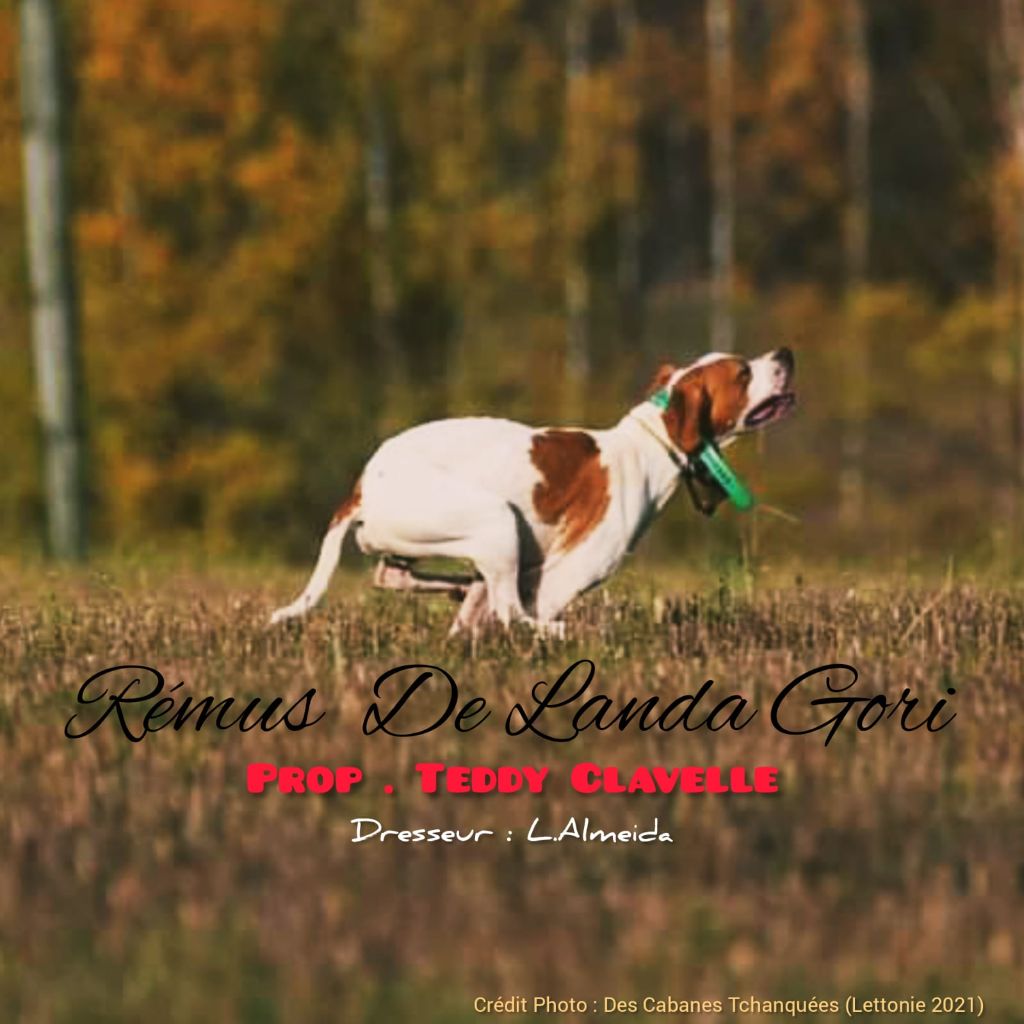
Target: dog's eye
744,374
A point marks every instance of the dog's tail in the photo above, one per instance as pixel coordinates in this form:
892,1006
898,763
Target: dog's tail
330,552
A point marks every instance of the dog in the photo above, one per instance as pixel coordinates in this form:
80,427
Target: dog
544,513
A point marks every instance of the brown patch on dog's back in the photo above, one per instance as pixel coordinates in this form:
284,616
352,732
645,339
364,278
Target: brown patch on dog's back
573,490
349,505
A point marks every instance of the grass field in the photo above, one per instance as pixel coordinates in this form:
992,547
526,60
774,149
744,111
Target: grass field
141,881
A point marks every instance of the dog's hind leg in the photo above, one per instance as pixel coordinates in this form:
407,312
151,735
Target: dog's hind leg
494,548
472,611
420,511
561,583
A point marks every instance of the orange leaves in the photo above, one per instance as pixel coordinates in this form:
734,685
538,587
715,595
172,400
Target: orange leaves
8,46
164,60
804,54
268,173
10,121
801,107
99,229
606,121
254,260
238,476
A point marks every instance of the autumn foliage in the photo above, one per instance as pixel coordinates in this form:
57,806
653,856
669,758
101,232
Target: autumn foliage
300,226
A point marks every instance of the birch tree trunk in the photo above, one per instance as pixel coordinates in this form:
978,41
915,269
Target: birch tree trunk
718,16
577,282
51,270
856,238
627,186
468,283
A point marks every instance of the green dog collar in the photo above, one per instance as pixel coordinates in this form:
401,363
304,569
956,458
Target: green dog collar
660,399
711,458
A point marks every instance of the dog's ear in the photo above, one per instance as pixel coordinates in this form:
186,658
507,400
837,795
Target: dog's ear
687,418
661,377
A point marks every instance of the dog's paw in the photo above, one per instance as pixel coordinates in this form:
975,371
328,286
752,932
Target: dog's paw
552,630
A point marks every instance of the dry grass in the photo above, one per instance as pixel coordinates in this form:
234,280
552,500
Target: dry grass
141,882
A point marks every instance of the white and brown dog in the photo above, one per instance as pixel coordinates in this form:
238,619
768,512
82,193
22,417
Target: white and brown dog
544,513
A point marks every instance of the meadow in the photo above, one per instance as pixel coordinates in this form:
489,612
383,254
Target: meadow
140,881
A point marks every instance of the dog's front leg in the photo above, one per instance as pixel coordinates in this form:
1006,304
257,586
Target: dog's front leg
388,576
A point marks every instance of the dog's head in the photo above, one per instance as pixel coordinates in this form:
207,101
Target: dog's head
720,397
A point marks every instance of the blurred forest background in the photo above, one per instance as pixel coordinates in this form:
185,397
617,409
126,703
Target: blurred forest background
300,225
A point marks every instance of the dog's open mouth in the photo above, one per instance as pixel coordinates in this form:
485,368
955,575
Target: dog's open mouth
770,409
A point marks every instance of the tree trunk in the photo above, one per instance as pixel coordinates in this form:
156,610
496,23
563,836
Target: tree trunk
577,282
628,254
467,283
723,174
856,229
388,368
51,269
